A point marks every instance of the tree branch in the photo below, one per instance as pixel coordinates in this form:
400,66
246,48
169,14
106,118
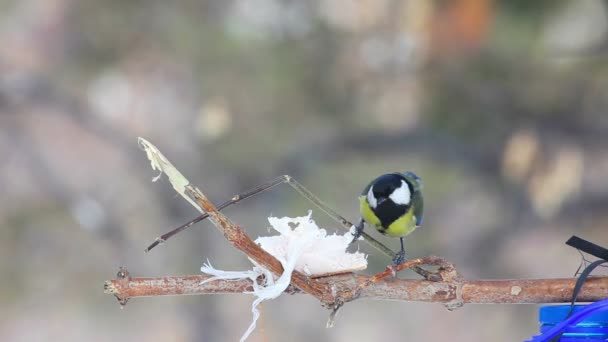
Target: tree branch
335,290
466,291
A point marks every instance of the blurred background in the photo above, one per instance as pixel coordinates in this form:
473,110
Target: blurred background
498,105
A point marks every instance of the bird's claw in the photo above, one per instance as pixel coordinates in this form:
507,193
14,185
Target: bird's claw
399,258
358,232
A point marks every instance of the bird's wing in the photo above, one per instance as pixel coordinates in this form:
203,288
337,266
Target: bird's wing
418,207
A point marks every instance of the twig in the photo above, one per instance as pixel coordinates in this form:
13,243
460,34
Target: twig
447,271
233,233
471,291
234,200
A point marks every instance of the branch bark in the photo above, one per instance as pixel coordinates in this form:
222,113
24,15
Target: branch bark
518,291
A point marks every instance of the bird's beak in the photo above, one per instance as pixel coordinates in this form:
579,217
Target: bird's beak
379,200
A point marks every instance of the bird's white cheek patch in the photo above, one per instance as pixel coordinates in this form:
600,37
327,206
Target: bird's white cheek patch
401,195
371,199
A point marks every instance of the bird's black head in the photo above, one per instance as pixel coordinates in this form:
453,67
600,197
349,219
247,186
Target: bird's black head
393,187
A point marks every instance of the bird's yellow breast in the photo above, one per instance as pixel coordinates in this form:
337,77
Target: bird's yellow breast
367,213
402,226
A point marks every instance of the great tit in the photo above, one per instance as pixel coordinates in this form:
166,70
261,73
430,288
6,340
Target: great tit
392,203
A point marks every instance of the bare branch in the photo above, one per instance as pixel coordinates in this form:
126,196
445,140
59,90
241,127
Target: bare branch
471,291
233,233
333,291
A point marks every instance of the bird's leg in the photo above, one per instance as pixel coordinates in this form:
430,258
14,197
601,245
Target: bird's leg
400,256
358,231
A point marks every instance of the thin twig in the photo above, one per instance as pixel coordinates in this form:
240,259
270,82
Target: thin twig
234,200
446,271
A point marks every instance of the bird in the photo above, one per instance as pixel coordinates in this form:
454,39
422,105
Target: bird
392,204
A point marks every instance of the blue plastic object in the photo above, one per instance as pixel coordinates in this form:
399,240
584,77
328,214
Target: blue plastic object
587,322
